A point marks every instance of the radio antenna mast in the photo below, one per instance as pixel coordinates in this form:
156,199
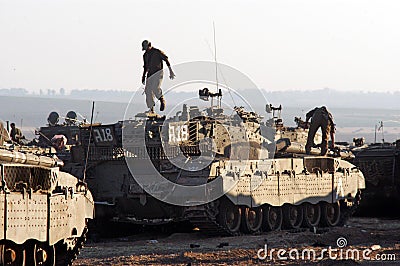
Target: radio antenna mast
216,69
88,147
216,65
215,56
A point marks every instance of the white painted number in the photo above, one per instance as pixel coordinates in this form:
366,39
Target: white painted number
178,133
103,135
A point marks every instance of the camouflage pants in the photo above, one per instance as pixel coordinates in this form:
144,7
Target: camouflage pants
153,88
319,121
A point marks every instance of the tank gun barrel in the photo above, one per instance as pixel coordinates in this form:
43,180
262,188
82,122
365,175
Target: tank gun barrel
31,159
301,149
285,145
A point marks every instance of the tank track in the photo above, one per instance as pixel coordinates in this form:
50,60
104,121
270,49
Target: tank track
204,217
66,258
348,211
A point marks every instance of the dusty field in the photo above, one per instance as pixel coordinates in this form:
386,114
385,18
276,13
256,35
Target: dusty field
377,239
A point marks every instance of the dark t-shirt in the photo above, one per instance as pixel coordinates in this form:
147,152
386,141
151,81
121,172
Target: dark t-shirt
153,61
320,111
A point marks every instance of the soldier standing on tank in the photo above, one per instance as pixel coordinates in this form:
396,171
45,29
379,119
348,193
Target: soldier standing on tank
320,118
153,64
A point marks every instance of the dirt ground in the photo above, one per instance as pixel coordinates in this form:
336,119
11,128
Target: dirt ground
368,241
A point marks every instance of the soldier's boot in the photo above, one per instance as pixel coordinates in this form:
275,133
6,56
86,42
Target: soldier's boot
150,111
162,103
324,149
308,147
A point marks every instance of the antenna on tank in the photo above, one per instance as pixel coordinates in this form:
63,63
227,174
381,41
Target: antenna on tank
88,147
379,129
215,56
216,70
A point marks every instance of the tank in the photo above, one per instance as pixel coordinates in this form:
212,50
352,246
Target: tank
44,211
380,164
273,186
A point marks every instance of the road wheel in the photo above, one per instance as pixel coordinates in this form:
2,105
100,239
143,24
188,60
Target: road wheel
272,218
12,254
229,216
331,214
252,219
43,254
292,216
311,215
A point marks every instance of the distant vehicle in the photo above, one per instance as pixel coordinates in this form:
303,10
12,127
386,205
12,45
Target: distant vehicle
380,164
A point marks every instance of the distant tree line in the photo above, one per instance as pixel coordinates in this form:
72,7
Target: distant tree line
292,98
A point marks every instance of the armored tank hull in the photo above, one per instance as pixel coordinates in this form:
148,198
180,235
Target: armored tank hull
265,194
380,164
43,211
261,191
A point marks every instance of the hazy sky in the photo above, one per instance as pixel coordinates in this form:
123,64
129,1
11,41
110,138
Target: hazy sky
280,45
